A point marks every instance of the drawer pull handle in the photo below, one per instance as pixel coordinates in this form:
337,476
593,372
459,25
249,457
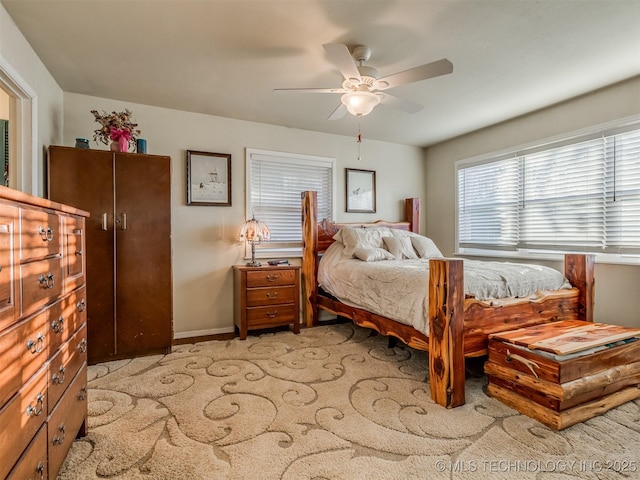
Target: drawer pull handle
78,253
58,325
37,410
47,281
530,364
36,346
82,346
272,315
81,305
40,470
272,278
82,394
47,235
59,378
272,295
56,440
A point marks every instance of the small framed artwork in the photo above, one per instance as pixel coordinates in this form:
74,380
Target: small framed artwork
361,190
208,178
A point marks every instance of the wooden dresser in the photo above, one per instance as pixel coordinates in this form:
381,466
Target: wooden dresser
43,342
266,297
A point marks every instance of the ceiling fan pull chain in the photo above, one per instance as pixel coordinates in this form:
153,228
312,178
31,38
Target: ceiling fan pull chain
359,141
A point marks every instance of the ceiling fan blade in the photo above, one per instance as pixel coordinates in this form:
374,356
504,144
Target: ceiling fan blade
338,113
430,70
310,90
401,103
340,56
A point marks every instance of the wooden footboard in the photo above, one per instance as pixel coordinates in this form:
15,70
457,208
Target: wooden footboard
458,327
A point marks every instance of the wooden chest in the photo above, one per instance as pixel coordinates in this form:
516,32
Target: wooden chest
565,372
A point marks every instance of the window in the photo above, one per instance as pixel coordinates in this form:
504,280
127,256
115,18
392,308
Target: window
275,181
577,195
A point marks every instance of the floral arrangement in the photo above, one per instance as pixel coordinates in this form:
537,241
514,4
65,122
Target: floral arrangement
116,127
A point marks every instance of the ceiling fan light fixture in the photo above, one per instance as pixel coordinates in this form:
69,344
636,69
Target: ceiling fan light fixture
360,103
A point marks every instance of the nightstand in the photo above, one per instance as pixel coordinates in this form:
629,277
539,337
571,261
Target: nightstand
265,297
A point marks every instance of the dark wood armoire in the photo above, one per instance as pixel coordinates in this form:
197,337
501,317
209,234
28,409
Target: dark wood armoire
129,276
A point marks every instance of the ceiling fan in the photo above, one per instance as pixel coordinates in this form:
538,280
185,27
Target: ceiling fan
363,88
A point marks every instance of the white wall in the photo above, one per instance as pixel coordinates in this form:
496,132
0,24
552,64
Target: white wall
204,244
617,286
18,54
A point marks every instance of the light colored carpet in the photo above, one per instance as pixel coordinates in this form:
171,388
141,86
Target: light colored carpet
331,403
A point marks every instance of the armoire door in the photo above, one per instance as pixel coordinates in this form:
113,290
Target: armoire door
143,253
84,179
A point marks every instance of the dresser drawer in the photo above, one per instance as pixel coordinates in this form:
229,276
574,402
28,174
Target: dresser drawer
257,297
9,291
41,283
65,317
40,234
271,277
74,245
65,364
23,351
271,316
33,464
22,417
66,420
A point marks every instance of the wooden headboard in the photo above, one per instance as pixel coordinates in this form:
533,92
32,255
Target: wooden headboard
318,236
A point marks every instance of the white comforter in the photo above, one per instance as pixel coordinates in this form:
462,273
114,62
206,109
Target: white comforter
399,289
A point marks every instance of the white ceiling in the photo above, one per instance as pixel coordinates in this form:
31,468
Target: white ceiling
225,57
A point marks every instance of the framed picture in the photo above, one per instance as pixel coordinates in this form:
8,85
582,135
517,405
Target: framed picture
361,190
208,178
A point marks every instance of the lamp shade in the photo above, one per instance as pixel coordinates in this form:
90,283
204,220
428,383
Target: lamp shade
254,231
360,102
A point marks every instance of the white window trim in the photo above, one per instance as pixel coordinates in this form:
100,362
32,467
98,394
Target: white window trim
23,158
287,157
527,254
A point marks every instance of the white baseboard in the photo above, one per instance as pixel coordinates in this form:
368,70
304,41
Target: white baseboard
202,333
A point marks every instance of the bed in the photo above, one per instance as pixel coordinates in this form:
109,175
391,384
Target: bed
458,325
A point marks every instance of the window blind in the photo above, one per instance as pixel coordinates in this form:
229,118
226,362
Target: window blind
488,202
276,181
583,195
623,192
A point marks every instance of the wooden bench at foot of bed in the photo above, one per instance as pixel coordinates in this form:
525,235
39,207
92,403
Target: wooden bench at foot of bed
459,327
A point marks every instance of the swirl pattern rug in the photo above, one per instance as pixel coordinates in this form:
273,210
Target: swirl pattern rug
331,403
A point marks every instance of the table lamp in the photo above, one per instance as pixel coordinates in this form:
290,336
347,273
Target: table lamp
254,231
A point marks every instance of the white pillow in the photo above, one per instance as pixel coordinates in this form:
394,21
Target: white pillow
425,247
400,247
354,238
373,254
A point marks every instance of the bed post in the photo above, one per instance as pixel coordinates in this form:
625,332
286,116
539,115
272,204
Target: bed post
412,213
579,270
446,332
309,257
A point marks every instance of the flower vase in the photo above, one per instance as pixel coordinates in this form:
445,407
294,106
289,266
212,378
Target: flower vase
115,146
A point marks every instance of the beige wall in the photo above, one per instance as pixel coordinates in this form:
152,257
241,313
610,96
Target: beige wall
4,105
617,286
20,57
204,245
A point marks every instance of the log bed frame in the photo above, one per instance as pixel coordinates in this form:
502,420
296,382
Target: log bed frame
458,326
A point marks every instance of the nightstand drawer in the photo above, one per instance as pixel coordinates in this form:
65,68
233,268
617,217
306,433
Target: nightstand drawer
257,297
271,316
271,277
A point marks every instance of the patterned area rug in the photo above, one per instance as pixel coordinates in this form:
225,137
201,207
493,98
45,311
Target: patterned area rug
331,403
